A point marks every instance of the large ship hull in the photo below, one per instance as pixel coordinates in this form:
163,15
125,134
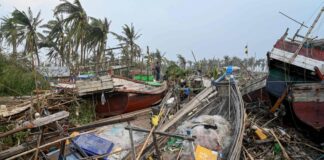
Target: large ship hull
308,103
301,77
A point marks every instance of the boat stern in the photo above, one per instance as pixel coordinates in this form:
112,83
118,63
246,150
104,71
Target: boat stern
308,104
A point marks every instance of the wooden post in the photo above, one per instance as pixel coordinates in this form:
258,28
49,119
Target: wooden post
156,147
279,101
306,37
132,141
62,149
39,143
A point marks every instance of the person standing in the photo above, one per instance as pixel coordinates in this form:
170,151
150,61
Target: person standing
157,71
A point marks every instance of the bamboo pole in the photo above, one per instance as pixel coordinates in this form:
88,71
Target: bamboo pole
154,127
282,148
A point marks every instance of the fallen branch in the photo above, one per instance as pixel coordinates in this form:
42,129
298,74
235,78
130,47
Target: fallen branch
249,155
308,145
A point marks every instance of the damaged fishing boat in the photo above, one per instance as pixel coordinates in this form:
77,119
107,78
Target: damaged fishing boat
295,78
129,95
214,120
115,95
255,91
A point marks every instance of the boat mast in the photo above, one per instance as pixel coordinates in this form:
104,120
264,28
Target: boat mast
306,36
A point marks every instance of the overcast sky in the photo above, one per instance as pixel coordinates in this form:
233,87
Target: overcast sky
211,28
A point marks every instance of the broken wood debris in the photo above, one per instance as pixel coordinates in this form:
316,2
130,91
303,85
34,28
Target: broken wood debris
282,141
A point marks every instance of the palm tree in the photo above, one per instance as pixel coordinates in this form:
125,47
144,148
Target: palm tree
157,56
182,61
263,63
1,40
55,40
236,61
190,64
128,42
78,20
29,25
97,38
226,60
12,34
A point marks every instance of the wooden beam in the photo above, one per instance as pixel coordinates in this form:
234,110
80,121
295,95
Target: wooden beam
279,101
38,122
161,133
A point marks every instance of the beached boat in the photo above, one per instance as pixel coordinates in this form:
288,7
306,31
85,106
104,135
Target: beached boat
255,91
115,95
129,95
296,70
223,99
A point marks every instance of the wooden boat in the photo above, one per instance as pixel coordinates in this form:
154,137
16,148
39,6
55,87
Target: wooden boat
128,95
308,101
255,91
296,70
115,95
224,98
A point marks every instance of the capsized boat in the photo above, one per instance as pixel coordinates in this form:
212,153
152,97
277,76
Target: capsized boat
296,70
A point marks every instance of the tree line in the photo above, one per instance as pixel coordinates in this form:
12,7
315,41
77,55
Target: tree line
75,39
72,38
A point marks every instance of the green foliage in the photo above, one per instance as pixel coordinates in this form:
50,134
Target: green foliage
29,26
16,80
175,72
214,73
86,113
12,139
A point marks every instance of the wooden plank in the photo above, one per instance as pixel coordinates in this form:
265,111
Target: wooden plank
90,86
13,110
253,85
300,60
38,122
185,110
50,119
12,151
308,92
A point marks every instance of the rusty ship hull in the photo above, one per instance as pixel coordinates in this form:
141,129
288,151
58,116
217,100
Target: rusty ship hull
301,75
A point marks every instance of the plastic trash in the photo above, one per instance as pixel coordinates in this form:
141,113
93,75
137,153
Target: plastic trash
103,98
93,145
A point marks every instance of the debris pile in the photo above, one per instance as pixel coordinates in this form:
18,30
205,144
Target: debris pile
266,135
211,133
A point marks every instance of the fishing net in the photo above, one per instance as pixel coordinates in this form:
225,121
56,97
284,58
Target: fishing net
211,131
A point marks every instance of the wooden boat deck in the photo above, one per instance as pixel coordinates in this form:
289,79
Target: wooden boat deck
124,85
85,87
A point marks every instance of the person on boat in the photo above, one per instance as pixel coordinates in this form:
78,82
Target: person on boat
157,71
